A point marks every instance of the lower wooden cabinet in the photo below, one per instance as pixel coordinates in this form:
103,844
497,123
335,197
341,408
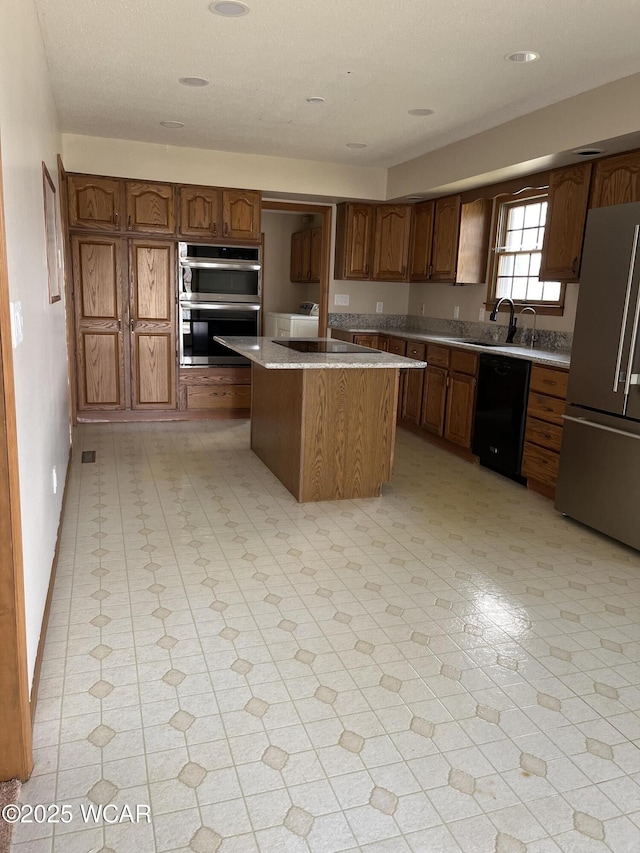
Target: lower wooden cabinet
413,384
450,394
543,434
434,399
225,390
461,398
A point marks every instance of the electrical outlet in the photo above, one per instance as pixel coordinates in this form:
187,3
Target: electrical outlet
481,315
456,312
54,480
341,299
379,307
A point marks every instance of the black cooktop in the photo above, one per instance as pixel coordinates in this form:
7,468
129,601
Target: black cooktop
317,345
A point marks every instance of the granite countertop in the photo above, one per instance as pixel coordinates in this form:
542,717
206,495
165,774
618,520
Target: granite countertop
538,356
266,353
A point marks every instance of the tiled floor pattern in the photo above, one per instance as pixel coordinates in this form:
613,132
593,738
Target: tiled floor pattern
452,667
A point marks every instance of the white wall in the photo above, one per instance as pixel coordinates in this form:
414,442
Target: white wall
29,135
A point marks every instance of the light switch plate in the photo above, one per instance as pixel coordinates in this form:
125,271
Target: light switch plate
341,299
17,324
456,312
481,315
379,307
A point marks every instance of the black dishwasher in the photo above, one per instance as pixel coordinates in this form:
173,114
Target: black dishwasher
498,435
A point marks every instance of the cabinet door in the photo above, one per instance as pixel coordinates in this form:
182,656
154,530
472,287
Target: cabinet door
315,254
353,241
200,213
95,203
616,180
391,242
564,229
98,305
152,325
445,239
297,262
150,208
421,239
434,399
458,426
473,242
412,399
366,341
241,214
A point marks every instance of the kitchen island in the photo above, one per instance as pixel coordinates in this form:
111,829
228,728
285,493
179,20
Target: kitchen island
324,422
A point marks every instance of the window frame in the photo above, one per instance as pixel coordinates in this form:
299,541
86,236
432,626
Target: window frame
501,205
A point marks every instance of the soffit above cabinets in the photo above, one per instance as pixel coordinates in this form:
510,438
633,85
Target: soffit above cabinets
115,70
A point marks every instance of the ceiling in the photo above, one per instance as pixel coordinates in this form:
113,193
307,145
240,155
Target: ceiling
115,68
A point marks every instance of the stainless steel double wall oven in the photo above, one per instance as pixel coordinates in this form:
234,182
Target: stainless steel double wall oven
219,290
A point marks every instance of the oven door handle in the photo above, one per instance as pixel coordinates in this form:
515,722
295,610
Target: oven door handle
203,264
221,306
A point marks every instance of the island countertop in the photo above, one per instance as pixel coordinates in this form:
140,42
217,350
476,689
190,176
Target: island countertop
264,352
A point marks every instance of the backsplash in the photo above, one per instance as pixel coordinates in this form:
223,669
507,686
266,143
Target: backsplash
545,339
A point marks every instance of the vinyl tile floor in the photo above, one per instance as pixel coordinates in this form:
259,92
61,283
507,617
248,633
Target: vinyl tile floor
451,667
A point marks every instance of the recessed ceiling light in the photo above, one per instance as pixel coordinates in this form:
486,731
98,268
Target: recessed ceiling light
173,125
523,56
229,8
588,152
315,100
421,112
193,81
356,144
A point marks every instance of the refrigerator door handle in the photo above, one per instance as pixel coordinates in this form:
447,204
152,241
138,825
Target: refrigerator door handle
629,379
585,422
625,313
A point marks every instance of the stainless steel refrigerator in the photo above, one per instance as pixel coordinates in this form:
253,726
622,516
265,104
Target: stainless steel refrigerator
599,479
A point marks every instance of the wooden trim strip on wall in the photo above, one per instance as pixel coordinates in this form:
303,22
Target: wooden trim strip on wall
35,684
16,755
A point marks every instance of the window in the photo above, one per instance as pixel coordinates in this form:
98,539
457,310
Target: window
517,253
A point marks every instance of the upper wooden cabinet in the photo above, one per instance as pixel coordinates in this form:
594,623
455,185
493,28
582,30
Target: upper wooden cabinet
354,235
305,255
564,229
450,241
200,212
150,208
372,241
392,229
95,203
241,214
421,239
143,207
616,180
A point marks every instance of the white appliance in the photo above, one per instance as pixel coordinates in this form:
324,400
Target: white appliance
303,324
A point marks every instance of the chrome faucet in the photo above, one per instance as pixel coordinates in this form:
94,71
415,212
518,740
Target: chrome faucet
533,339
511,330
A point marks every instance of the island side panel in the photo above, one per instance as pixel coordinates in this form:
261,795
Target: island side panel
350,425
276,422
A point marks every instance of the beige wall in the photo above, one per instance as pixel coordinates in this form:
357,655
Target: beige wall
440,300
524,145
295,178
279,293
29,135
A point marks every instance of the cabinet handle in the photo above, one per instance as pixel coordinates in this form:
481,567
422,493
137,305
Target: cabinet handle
215,229
574,265
119,324
430,270
549,381
366,269
129,222
131,322
226,228
116,217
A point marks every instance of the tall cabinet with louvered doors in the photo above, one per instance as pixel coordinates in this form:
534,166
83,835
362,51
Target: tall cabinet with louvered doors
152,324
98,301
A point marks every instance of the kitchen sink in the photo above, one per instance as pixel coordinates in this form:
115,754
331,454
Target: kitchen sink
489,344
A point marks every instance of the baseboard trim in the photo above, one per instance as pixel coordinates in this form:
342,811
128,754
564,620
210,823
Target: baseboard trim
33,700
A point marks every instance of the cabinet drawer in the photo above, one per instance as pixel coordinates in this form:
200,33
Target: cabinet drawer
219,397
540,464
415,350
464,362
545,408
546,380
438,356
397,346
544,434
